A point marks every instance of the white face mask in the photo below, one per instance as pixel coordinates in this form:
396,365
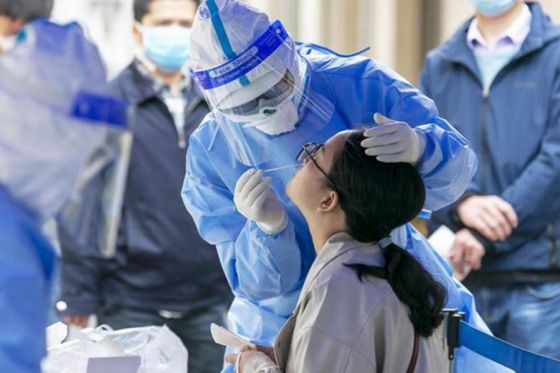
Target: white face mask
493,8
284,119
168,47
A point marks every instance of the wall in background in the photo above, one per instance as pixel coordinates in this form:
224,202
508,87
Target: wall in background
399,32
107,22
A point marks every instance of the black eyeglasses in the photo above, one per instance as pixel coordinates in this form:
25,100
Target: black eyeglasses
309,151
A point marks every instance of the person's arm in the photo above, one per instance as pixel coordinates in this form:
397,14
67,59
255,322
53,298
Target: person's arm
80,276
448,162
534,194
257,265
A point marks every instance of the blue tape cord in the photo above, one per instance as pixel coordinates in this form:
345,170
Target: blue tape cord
505,353
222,36
330,51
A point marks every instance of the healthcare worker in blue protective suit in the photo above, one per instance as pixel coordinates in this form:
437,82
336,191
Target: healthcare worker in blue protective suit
54,116
271,96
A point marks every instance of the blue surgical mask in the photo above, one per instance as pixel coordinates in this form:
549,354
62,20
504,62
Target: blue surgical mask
493,8
168,47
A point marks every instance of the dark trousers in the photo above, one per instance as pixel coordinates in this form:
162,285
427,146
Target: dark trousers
204,355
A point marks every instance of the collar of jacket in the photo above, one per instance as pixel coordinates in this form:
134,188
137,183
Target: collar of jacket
139,88
354,252
543,31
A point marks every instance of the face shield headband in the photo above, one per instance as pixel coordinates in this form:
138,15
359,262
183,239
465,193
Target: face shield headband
248,60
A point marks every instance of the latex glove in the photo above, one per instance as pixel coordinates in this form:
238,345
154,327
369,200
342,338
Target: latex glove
466,253
249,360
393,142
491,216
257,202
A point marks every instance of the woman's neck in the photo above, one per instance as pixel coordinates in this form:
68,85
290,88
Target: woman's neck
493,27
321,231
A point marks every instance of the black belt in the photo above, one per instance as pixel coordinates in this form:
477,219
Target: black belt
512,277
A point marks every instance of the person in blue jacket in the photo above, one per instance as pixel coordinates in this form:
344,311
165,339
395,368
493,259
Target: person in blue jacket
271,96
53,118
503,67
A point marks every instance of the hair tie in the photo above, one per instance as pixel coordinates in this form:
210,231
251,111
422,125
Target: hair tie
396,258
385,243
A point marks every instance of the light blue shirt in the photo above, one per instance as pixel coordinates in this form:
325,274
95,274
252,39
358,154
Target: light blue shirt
493,57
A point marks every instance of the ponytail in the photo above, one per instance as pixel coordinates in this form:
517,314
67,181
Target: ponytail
413,285
376,198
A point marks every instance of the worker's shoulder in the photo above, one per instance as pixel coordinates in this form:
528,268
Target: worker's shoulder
329,62
207,131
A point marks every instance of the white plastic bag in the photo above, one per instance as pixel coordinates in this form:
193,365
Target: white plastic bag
73,356
161,351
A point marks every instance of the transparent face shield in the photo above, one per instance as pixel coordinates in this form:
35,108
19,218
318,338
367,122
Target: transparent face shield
64,141
90,219
261,95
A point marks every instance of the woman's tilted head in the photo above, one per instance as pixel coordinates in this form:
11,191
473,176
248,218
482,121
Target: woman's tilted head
341,189
376,197
370,198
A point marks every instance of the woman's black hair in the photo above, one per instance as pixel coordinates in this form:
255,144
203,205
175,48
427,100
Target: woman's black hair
376,198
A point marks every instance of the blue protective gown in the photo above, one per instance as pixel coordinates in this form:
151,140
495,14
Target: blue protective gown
26,266
266,272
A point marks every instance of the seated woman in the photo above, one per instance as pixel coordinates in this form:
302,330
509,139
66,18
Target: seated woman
367,305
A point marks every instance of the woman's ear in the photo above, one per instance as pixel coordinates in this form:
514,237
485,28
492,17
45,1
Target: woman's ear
329,202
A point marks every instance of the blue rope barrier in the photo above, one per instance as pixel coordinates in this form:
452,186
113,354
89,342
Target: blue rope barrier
504,353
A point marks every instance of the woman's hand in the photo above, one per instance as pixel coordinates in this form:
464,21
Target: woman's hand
269,351
248,356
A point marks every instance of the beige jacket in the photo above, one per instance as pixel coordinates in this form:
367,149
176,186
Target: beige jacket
343,325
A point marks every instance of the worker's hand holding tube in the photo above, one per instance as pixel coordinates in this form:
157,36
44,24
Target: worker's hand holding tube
256,201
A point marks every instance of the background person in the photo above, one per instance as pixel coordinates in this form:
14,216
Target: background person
16,14
503,69
163,272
